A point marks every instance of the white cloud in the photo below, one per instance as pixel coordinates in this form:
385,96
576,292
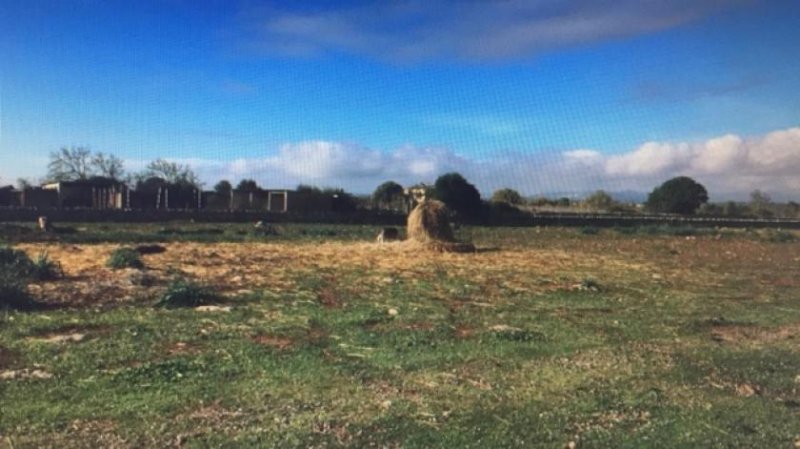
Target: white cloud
730,166
651,158
719,155
465,30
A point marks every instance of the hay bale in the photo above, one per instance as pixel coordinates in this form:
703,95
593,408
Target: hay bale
430,221
429,224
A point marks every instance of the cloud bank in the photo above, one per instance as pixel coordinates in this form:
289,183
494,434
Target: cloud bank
468,30
730,166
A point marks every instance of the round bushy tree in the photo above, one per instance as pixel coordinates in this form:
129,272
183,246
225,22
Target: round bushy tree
508,196
599,200
223,187
248,185
458,194
681,195
387,192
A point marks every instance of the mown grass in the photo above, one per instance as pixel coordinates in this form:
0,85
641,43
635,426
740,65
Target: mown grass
704,355
184,232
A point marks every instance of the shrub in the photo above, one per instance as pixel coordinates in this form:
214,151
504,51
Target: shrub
265,230
589,230
778,236
15,263
45,268
185,293
518,335
125,258
13,292
625,230
590,284
15,271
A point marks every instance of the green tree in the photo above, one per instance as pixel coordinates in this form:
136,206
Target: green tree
387,193
458,194
341,201
731,209
599,200
305,188
792,210
223,188
507,196
761,204
248,185
681,195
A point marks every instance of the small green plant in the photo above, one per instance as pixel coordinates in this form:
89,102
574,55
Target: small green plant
265,230
15,263
589,230
45,268
185,293
590,284
778,236
125,258
14,293
625,230
518,335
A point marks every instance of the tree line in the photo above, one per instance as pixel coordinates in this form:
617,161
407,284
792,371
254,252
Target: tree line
681,195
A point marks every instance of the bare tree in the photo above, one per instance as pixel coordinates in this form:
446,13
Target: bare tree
761,204
69,164
108,166
172,172
24,183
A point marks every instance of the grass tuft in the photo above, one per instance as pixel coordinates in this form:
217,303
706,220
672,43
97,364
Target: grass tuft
185,293
46,269
125,258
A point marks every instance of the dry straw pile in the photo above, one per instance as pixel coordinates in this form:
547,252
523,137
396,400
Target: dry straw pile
429,225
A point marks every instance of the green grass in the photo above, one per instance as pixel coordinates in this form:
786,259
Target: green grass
186,232
437,360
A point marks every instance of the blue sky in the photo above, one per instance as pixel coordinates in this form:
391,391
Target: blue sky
542,96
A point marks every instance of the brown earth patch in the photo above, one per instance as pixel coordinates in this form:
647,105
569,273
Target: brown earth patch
231,267
755,334
274,341
463,331
78,434
7,357
69,334
329,297
24,374
182,348
418,326
529,266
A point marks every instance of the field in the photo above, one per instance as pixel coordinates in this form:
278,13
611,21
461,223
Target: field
553,338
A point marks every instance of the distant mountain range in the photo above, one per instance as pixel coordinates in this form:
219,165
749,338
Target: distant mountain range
623,196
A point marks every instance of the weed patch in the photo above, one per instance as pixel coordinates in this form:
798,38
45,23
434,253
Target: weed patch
185,293
46,269
589,230
125,258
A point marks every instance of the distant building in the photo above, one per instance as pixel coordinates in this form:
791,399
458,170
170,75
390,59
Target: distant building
263,200
39,198
94,193
9,197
